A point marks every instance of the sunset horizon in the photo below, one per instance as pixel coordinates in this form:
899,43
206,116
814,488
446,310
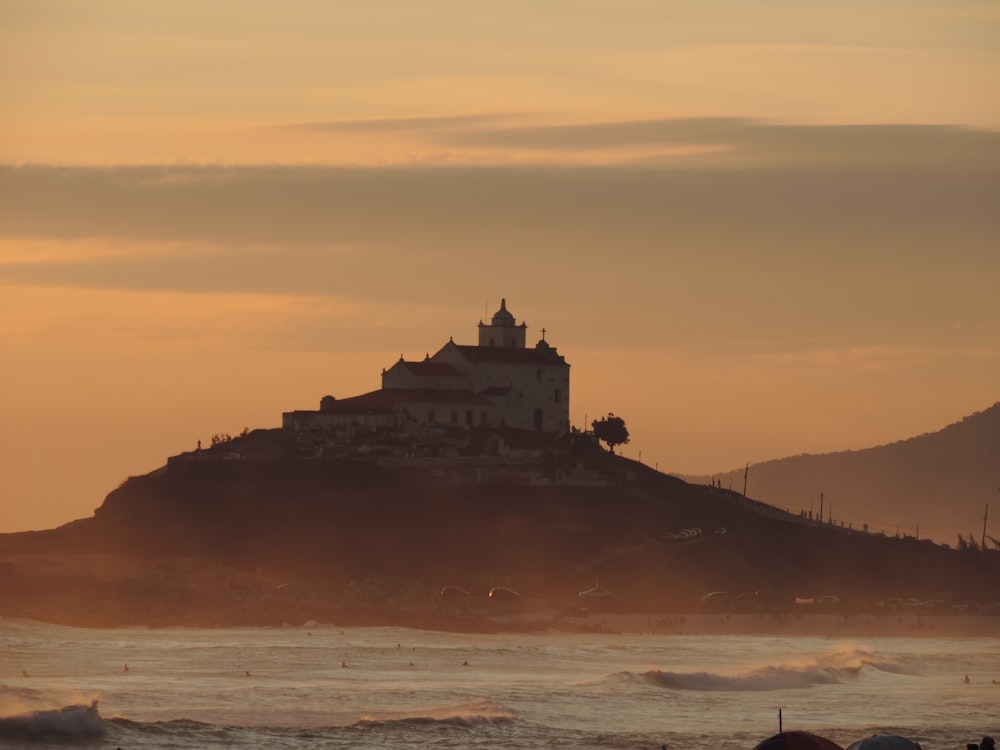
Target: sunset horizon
752,232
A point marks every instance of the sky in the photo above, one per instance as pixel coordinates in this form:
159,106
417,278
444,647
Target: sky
753,229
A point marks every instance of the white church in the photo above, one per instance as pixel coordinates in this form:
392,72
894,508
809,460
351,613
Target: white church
499,382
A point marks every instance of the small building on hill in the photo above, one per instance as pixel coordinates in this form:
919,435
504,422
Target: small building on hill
499,382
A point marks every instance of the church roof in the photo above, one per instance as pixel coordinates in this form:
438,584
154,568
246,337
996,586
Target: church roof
503,317
388,398
511,355
428,368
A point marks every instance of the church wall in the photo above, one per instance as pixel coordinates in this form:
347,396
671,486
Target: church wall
533,386
536,386
446,414
397,376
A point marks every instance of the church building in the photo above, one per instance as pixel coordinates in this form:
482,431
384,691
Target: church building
499,382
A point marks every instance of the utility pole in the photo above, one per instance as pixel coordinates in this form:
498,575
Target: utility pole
821,507
745,472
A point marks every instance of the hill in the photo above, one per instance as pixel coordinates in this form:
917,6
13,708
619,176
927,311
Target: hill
935,485
365,541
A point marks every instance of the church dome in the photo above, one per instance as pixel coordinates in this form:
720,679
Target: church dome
502,317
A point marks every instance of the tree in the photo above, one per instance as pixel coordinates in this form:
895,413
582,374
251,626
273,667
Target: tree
969,545
611,430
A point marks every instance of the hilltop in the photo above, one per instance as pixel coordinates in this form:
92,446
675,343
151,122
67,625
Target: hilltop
252,532
935,485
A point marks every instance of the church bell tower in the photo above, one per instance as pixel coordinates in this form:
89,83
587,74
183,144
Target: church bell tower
503,330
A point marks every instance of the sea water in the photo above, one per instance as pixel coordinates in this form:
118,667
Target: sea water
325,687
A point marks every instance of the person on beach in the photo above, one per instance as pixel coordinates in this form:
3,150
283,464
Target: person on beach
987,744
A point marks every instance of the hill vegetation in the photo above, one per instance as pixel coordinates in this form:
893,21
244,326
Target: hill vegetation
286,539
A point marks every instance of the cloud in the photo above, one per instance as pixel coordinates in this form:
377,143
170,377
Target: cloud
400,124
899,144
801,251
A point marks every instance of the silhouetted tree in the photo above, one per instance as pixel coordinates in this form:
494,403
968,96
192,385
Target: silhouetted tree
969,544
611,430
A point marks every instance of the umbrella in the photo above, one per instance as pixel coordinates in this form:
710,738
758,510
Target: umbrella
797,741
884,742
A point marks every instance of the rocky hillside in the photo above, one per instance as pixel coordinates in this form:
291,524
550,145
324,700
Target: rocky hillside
935,485
270,541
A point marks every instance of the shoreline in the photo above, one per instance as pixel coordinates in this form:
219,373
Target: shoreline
796,625
815,625
109,591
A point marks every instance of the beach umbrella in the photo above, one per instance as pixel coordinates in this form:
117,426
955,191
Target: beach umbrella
884,742
797,741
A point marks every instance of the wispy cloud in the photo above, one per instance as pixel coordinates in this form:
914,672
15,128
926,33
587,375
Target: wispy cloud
807,250
898,144
402,124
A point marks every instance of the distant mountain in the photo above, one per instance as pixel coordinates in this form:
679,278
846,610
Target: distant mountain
934,486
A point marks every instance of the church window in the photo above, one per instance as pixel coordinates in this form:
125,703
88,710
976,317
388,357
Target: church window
557,396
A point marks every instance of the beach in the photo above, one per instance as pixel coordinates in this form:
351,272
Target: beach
793,625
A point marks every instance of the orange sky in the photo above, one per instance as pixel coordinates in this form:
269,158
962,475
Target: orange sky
754,230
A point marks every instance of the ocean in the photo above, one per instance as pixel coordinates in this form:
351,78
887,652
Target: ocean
319,686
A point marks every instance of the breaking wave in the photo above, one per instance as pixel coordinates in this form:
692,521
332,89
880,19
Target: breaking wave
467,714
80,720
827,669
767,678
